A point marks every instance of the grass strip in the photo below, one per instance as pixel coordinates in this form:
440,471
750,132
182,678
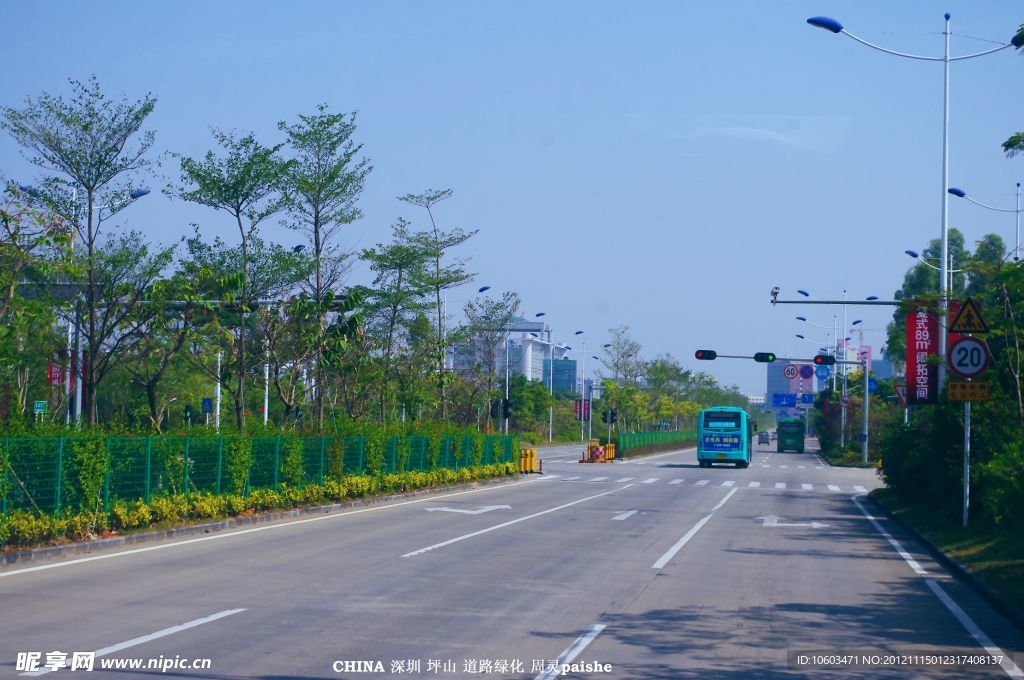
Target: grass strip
993,553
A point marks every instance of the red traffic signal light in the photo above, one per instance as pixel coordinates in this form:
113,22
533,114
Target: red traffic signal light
824,360
706,354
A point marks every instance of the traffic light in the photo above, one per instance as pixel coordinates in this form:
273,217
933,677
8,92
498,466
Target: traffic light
706,354
506,408
188,413
495,408
824,360
764,357
615,416
605,415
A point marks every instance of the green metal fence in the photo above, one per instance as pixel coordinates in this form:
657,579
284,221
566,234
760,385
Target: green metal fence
639,440
42,473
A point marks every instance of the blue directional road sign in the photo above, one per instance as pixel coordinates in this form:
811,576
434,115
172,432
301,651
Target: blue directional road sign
806,398
822,372
207,405
872,385
783,400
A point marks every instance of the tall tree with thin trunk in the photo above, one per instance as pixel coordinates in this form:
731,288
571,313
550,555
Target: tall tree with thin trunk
95,148
244,182
321,187
398,293
487,323
437,243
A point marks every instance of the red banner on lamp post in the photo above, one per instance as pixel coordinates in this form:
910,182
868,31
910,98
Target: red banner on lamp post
922,343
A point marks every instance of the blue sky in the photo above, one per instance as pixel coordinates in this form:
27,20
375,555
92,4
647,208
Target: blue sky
658,164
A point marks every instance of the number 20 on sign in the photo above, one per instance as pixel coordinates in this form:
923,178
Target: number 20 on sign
968,357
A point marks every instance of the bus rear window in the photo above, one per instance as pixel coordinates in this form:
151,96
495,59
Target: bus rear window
721,421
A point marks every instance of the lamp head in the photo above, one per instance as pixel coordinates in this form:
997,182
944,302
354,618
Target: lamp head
578,333
481,289
138,193
871,297
959,193
827,23
913,253
801,318
539,314
804,293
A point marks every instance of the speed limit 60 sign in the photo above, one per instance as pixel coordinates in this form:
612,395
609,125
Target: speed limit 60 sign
968,357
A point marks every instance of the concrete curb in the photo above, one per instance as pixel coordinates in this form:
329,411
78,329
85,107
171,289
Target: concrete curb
958,569
104,544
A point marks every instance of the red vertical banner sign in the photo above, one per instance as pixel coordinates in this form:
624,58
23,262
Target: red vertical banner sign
922,343
586,409
579,410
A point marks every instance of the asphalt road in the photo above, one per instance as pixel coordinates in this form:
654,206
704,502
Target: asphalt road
657,567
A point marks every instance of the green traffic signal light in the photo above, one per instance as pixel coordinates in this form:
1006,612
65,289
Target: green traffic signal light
764,357
706,354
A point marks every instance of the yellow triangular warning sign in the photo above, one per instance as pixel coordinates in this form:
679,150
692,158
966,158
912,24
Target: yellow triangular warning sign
969,319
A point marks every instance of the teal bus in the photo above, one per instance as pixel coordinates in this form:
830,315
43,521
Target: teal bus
724,435
790,434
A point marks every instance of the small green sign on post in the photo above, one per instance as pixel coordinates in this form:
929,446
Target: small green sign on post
40,407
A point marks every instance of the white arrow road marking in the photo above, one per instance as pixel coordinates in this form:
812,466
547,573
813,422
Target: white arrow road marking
511,522
625,515
480,510
773,521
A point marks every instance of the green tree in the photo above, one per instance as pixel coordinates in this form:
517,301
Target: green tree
487,323
244,182
444,274
321,188
398,293
94,148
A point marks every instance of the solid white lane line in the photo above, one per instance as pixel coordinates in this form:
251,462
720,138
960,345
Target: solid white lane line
572,652
728,483
509,523
625,515
892,541
807,487
1007,664
703,482
977,633
652,480
152,636
833,488
754,485
676,481
671,552
780,485
269,527
860,489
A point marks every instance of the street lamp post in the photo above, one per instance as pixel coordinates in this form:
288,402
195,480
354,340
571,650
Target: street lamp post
960,193
834,26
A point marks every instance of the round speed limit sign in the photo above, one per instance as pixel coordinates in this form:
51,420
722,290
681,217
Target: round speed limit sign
968,357
790,371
